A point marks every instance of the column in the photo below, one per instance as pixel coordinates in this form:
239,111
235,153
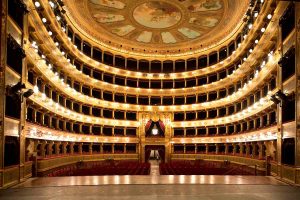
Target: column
50,121
42,119
56,148
80,128
234,149
91,130
101,148
261,121
71,127
297,98
35,146
64,125
247,149
254,149
80,148
241,149
49,148
206,148
260,150
3,36
226,148
72,148
217,148
254,123
43,149
22,135
91,148
64,148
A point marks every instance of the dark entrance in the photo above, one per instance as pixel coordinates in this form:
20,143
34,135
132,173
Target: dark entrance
157,148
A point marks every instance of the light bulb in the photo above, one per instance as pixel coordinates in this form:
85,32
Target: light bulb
263,29
35,89
44,20
37,4
269,16
154,131
51,4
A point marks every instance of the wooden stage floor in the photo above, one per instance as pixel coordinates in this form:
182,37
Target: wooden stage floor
152,187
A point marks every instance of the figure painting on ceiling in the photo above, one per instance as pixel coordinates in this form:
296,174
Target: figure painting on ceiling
107,18
189,33
145,37
123,30
205,5
156,14
109,3
158,21
205,21
168,38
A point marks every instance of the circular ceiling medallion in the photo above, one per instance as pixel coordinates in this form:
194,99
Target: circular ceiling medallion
156,14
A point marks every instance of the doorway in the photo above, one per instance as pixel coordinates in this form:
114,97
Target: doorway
155,152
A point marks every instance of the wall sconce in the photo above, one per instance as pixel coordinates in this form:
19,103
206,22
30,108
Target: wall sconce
17,91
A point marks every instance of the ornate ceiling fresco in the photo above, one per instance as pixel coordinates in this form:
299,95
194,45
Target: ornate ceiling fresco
156,26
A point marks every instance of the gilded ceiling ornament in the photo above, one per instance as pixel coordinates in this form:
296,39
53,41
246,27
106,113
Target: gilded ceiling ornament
157,26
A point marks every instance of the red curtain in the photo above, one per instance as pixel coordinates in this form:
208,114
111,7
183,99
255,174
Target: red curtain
162,126
148,125
147,154
162,154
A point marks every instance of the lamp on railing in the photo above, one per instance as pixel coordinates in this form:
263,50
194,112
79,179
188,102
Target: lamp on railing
274,99
279,97
154,130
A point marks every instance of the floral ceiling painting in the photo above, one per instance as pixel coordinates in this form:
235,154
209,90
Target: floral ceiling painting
164,22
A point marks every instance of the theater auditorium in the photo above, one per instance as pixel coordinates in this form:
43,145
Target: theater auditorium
149,99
